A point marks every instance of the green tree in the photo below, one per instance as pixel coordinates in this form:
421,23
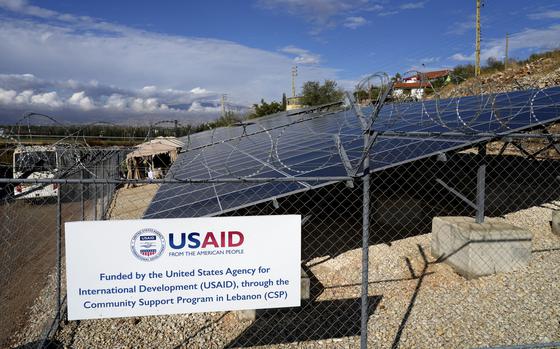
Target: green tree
493,64
264,108
316,94
463,71
364,94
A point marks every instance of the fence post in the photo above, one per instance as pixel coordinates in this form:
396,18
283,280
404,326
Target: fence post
81,186
58,253
102,213
480,192
365,248
481,183
103,176
94,201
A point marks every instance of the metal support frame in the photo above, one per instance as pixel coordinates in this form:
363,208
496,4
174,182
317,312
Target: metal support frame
523,151
357,110
176,181
365,249
345,160
453,134
552,142
343,155
457,193
370,136
479,205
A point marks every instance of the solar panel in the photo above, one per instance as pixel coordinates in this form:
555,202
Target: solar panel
306,146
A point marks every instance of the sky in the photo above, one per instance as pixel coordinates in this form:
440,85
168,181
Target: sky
141,61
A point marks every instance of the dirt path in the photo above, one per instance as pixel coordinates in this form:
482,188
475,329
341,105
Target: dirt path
28,252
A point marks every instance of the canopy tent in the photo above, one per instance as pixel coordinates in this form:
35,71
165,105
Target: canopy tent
152,157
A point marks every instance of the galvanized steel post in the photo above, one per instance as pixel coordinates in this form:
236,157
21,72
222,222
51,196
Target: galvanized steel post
102,213
81,186
365,247
481,183
94,201
480,192
58,254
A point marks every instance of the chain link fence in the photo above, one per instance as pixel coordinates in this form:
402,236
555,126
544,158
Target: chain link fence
410,239
417,294
33,216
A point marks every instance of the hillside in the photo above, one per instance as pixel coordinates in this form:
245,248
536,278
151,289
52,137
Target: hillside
539,71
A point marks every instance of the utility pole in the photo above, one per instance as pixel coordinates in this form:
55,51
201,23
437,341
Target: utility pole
294,74
477,52
507,46
224,96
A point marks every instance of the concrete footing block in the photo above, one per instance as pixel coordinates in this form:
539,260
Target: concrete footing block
478,249
555,223
251,314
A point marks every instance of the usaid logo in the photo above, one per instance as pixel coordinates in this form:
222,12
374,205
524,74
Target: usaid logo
147,244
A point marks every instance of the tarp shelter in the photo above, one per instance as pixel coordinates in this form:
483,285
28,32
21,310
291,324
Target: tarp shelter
154,156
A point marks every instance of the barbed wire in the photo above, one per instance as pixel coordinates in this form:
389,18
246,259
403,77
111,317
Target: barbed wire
275,144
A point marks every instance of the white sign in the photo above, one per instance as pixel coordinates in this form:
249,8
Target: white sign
184,265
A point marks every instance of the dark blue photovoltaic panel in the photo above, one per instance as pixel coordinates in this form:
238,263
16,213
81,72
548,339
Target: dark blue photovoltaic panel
305,145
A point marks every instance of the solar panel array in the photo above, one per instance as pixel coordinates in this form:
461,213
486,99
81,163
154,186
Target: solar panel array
315,145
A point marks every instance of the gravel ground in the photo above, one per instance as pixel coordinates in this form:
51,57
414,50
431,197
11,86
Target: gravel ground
130,203
414,305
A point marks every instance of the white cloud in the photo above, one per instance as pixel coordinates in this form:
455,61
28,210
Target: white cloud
322,14
29,97
7,96
354,22
83,64
116,102
24,97
412,5
21,6
547,38
149,89
429,59
198,91
198,107
80,100
73,101
147,105
138,104
373,8
388,13
49,99
551,14
462,57
34,91
302,56
85,50
460,28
